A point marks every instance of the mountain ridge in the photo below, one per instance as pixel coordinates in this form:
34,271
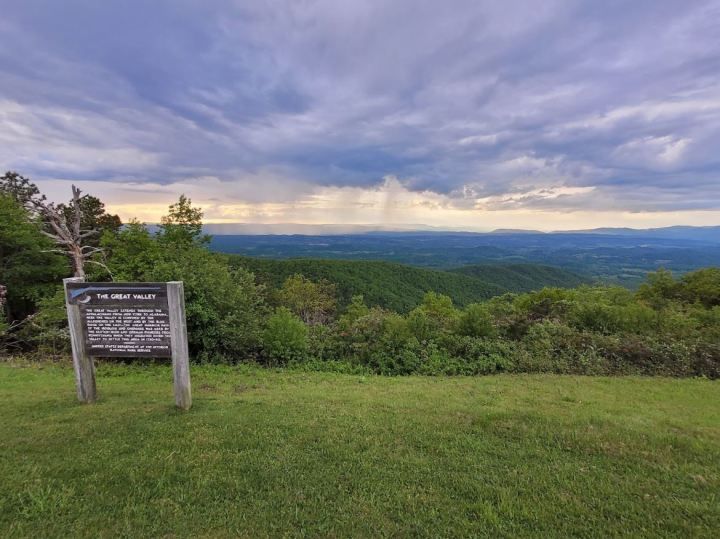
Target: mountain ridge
703,233
401,287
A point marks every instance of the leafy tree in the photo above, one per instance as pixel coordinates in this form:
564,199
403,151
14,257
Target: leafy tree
313,302
92,217
182,226
27,270
21,189
132,252
660,289
378,332
224,306
421,326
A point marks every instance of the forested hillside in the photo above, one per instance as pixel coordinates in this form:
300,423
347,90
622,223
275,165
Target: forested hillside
400,287
522,277
394,286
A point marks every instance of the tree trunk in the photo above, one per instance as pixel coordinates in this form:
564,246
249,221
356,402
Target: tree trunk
78,261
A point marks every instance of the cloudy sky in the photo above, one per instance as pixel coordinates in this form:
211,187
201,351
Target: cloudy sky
459,114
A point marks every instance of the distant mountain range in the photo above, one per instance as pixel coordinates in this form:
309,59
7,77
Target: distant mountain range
698,233
288,229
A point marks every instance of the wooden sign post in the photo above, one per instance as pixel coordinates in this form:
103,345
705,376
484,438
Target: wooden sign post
82,362
179,345
127,320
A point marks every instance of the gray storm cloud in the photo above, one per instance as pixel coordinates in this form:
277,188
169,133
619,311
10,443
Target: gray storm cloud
469,99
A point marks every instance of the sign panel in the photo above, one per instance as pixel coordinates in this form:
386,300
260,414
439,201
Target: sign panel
123,319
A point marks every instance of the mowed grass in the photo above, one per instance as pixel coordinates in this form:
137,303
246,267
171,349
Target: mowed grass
281,453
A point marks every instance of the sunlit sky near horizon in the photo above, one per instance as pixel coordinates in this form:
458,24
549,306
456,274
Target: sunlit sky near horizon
461,114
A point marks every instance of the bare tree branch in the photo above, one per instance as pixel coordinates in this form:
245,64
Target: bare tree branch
103,265
66,232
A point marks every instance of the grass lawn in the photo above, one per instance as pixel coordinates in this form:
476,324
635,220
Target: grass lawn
281,453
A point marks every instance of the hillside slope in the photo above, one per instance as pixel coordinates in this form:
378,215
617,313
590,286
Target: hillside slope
401,287
522,277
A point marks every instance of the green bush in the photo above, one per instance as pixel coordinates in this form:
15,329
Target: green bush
702,286
285,338
224,308
476,321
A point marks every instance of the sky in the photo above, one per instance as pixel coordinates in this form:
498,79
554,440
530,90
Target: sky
475,115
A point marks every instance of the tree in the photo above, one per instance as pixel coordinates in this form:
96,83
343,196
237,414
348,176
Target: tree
182,226
132,252
313,302
92,217
355,310
63,224
660,289
27,270
21,189
224,307
68,233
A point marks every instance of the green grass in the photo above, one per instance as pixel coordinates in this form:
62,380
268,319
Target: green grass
280,453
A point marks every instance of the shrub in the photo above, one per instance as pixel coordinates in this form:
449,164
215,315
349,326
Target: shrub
224,307
659,289
325,343
473,355
400,362
420,325
48,330
702,286
707,359
440,311
607,319
476,321
285,338
558,348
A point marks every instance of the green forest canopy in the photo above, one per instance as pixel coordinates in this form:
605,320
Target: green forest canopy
401,287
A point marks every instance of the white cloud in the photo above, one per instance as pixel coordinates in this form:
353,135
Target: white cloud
655,152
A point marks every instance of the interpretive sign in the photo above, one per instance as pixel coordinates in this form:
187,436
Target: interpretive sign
123,319
127,320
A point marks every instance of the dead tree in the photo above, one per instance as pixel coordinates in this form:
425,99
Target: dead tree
67,233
